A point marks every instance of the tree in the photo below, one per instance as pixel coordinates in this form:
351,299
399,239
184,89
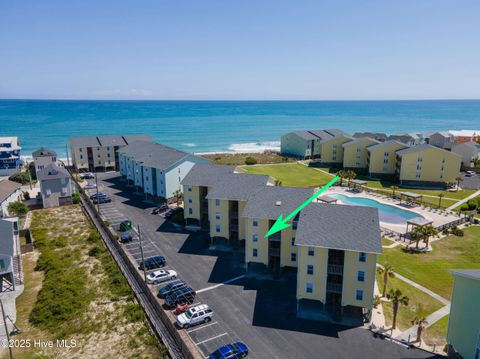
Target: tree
17,208
428,231
394,188
342,174
178,196
421,321
458,179
440,196
350,176
397,298
387,272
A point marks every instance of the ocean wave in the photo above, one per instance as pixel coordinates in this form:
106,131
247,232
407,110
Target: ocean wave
251,147
189,144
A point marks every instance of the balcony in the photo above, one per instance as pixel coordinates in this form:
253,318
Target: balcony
334,287
294,225
335,269
233,214
274,252
276,237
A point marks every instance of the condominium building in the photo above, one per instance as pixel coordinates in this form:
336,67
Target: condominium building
43,157
56,186
10,162
463,334
468,151
306,144
355,153
427,165
382,158
381,137
332,149
196,186
93,153
442,139
410,139
155,169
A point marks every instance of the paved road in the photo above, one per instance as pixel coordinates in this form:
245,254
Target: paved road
260,313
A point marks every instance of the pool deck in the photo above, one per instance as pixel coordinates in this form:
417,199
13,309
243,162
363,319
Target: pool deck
438,217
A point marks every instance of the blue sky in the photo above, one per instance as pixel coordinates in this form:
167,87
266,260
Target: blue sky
239,49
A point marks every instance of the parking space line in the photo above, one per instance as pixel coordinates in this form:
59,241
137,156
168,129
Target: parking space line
220,284
215,337
202,327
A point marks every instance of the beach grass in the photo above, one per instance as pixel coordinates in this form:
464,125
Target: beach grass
238,159
437,332
430,269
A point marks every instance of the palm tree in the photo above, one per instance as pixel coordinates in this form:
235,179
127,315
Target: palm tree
394,188
428,231
350,176
421,321
387,271
397,298
440,196
417,235
178,196
342,174
458,179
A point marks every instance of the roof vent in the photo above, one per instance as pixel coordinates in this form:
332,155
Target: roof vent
278,203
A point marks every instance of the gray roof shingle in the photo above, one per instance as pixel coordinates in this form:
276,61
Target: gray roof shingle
272,201
237,186
85,141
52,172
419,148
360,140
8,187
206,174
306,135
153,154
342,227
44,152
111,141
385,144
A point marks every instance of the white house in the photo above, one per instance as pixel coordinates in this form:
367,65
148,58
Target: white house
43,157
156,169
55,186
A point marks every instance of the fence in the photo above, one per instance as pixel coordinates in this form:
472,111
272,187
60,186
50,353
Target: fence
163,326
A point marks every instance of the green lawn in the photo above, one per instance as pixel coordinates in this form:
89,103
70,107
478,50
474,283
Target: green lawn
292,174
418,301
431,269
386,241
437,333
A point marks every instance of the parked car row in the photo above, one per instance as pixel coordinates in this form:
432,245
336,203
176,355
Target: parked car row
100,197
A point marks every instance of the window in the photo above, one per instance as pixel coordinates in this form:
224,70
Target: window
255,223
293,257
311,251
179,179
362,257
178,169
255,252
361,276
310,269
293,241
80,150
359,294
189,188
217,228
81,157
190,211
255,237
385,154
309,288
108,155
217,202
217,215
189,199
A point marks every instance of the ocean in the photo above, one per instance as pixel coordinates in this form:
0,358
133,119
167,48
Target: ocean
218,126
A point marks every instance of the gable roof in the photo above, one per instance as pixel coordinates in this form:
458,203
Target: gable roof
272,201
44,152
206,174
473,145
7,188
360,140
419,148
152,154
85,141
319,134
111,141
306,135
385,144
52,171
237,186
343,227
335,137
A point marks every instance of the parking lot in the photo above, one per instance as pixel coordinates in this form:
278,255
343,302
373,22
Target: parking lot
260,313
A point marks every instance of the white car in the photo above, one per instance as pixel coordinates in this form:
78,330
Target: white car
470,174
90,186
160,276
195,315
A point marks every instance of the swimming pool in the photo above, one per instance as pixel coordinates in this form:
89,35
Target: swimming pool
386,213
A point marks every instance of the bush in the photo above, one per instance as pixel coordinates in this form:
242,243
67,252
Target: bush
445,231
472,204
457,232
250,161
26,194
76,198
21,177
17,208
464,207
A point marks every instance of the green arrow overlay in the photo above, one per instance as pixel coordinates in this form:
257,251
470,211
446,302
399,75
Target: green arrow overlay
281,223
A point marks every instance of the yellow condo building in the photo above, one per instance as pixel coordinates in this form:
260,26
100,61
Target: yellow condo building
427,165
355,153
332,149
382,158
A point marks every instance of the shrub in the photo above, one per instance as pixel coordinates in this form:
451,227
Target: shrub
21,177
95,251
472,204
17,208
76,198
26,194
445,231
457,232
133,312
464,207
94,236
250,161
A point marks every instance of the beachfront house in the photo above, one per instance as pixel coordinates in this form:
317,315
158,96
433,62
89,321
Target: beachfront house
442,139
9,192
465,135
306,144
99,153
43,157
10,162
332,149
226,201
10,255
381,137
196,186
410,139
277,252
382,158
427,165
155,169
463,335
355,153
56,186
469,151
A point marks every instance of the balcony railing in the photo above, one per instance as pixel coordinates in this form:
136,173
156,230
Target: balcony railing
276,237
335,269
334,287
274,252
233,214
294,225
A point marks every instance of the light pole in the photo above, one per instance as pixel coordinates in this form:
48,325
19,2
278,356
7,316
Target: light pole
141,252
98,199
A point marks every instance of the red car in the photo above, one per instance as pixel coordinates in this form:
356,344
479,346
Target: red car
181,308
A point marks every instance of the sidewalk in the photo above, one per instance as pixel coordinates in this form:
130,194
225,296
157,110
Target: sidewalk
459,203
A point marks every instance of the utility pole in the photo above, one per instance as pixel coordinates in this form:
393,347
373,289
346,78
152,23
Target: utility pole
6,330
68,157
29,174
141,252
97,198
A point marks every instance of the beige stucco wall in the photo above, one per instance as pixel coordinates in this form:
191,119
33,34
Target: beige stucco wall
287,249
356,155
327,149
223,221
194,194
319,277
350,279
261,245
377,157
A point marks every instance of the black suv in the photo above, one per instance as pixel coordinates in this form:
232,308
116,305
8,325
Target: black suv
161,209
180,296
170,288
152,263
